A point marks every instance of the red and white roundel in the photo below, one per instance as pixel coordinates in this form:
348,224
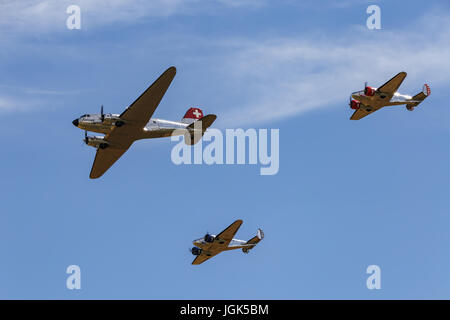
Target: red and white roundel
194,113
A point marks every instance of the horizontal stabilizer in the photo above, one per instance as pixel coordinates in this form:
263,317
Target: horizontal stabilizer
197,129
253,241
203,123
418,98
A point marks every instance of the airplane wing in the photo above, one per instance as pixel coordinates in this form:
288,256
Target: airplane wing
390,87
361,113
227,235
203,257
141,110
136,116
104,159
119,140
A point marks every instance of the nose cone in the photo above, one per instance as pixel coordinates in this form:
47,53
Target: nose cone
75,122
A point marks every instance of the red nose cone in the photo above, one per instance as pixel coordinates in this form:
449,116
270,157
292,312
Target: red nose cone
369,91
355,105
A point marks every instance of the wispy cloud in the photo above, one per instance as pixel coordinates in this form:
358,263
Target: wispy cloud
14,98
34,17
269,77
289,76
8,104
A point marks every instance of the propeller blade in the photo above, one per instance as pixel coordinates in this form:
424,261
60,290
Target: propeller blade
102,115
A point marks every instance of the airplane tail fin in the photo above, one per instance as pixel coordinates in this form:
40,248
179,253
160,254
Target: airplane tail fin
197,128
418,98
253,241
192,115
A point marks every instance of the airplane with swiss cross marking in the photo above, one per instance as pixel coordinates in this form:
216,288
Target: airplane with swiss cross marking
136,122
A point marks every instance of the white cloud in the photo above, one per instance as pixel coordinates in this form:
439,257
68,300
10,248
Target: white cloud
241,3
271,77
15,98
50,15
34,17
289,76
8,104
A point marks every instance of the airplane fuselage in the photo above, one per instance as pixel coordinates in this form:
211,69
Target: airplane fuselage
379,100
95,123
234,244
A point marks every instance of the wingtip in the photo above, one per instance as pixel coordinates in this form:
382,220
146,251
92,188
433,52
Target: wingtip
92,176
172,68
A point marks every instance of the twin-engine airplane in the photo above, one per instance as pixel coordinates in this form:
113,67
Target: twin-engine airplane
210,245
135,123
371,99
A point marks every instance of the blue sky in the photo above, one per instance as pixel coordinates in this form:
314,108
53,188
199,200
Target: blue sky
347,195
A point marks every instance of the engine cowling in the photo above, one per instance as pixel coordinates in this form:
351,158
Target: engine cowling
96,142
369,91
111,119
196,251
208,238
355,104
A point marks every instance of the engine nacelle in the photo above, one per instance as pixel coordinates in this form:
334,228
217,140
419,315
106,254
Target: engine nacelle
208,238
112,120
96,142
196,251
355,104
410,108
369,91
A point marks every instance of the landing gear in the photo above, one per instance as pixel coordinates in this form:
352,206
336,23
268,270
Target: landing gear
103,145
119,123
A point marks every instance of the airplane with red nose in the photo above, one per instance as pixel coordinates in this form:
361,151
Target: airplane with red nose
371,99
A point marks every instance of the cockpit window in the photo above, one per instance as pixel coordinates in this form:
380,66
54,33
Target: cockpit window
84,115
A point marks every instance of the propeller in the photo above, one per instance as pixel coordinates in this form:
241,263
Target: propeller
208,237
86,139
102,115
